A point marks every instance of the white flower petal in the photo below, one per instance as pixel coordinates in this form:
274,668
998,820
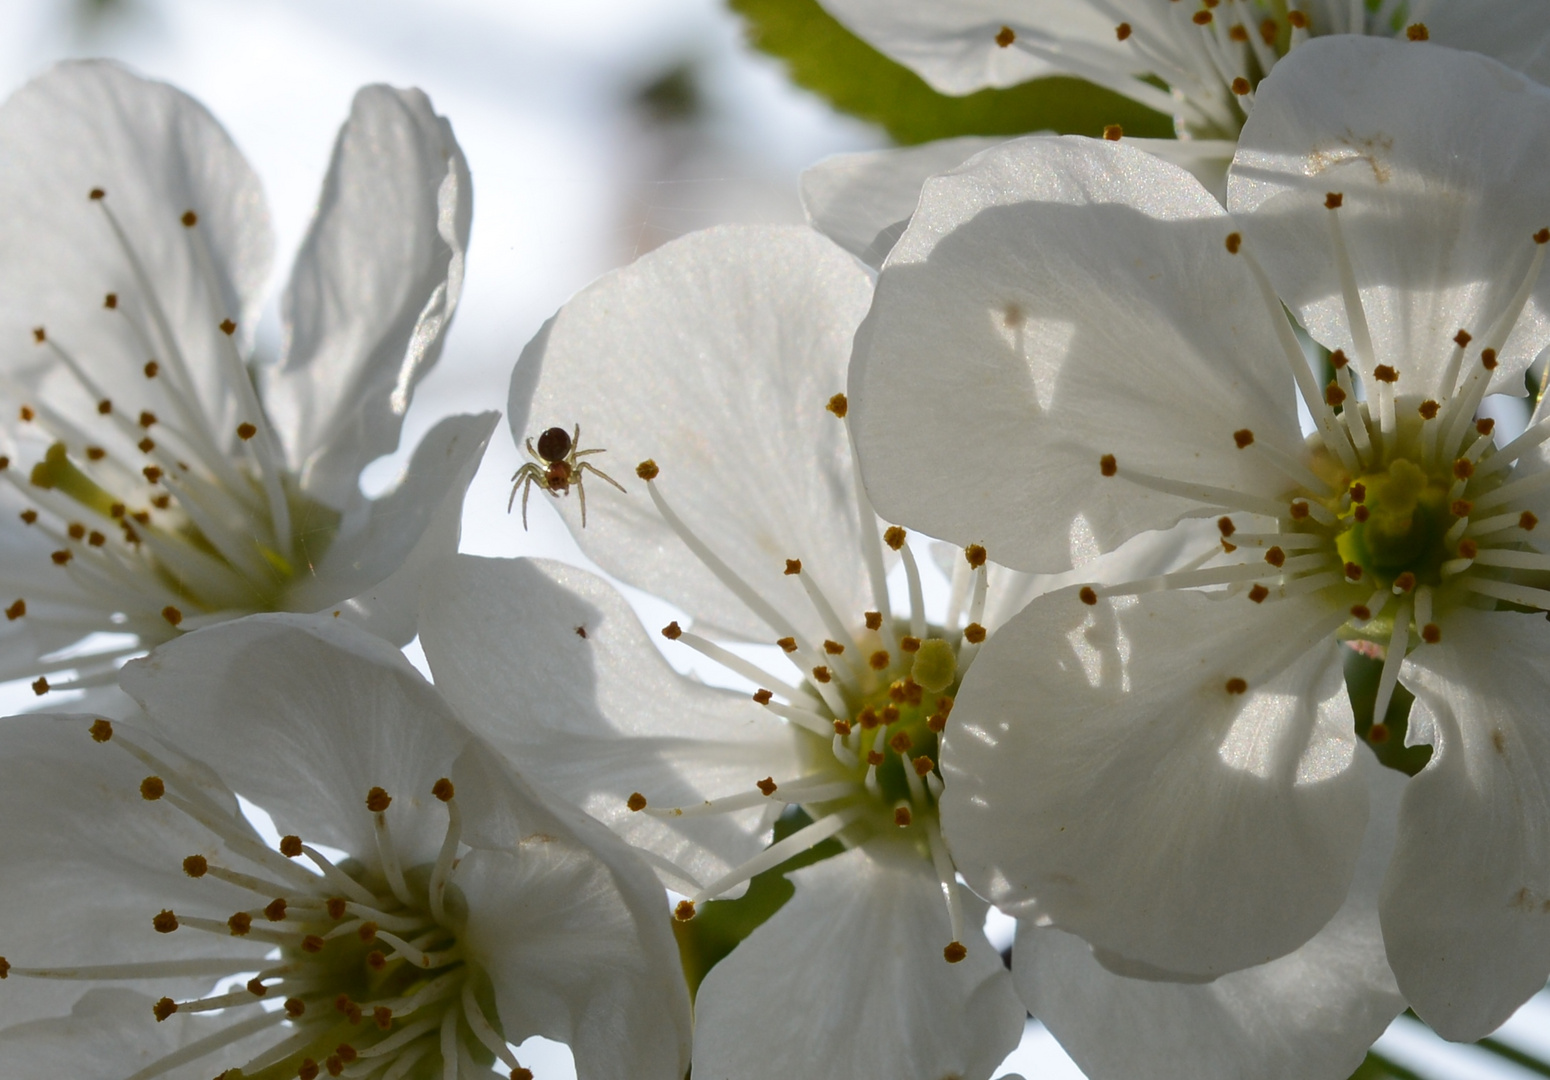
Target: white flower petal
1310,1015
88,864
156,152
572,929
373,290
304,715
953,46
108,1034
1515,32
1103,774
714,356
601,716
1053,301
1466,906
863,201
374,570
1430,148
847,982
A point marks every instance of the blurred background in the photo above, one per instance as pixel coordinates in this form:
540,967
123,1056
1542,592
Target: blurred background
595,130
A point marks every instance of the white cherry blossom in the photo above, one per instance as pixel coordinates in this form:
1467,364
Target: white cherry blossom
148,931
1208,54
165,478
716,362
1166,767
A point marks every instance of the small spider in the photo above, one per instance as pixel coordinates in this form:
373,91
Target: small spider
555,469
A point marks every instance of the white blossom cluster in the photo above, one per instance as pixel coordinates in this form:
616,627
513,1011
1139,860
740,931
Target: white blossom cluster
1184,439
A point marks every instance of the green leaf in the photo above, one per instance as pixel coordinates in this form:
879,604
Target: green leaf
824,57
1388,741
720,924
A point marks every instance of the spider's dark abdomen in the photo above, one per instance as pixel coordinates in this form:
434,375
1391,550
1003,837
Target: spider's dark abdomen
554,444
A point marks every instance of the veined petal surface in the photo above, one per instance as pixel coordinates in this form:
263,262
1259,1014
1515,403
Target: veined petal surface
1171,777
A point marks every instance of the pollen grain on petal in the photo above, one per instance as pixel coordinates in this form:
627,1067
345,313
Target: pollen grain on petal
17,609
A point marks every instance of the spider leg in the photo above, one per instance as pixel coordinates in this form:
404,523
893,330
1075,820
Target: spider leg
594,450
526,490
581,494
522,478
530,451
587,466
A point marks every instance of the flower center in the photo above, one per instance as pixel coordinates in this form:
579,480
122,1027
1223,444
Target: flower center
866,713
1399,526
166,501
366,971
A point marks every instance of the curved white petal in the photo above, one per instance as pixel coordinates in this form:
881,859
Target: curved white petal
550,665
88,863
864,201
155,153
953,46
374,567
1108,773
373,290
108,1034
1466,905
1437,154
714,356
304,715
1053,301
847,982
1310,1015
571,928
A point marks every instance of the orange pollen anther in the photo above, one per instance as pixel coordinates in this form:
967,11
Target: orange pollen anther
172,614
975,554
1299,510
1005,36
936,722
1361,611
901,816
878,661
793,566
1431,633
1488,359
1468,549
1087,596
443,789
1240,85
874,757
1107,465
1333,395
312,944
240,924
833,648
1275,557
275,912
163,1009
636,802
954,952
1243,437
1234,242
1462,507
684,911
1113,132
789,644
1338,359
822,674
1418,32
838,405
152,788
767,785
672,631
1428,409
164,922
40,686
1202,18
894,536
1527,521
290,846
647,470
295,1007
923,765
1404,582
1485,425
1463,469
1258,594
335,907
1236,685
842,727
1386,374
974,633
762,696
1353,572
900,743
378,800
874,620
196,866
1361,513
101,730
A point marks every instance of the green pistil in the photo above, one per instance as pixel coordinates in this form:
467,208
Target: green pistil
1400,526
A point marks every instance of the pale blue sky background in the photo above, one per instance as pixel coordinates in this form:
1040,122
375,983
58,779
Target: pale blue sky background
572,175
